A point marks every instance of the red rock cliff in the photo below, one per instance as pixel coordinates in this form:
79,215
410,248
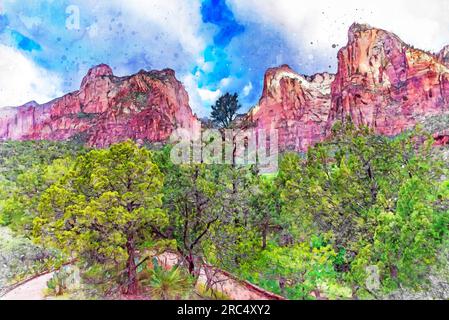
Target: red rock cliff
147,106
387,85
295,105
381,82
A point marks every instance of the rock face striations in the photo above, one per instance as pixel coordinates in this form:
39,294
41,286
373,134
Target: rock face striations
381,83
147,106
295,105
387,85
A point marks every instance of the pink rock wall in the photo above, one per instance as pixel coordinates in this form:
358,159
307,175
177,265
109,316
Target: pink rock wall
147,106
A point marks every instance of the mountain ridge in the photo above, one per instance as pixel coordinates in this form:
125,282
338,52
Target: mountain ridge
381,82
147,106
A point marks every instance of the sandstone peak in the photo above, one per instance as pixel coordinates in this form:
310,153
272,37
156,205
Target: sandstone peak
276,71
364,33
31,104
279,68
385,84
147,106
381,82
99,71
313,85
169,71
443,56
359,27
296,105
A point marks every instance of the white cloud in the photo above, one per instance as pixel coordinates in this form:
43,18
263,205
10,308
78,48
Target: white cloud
209,96
177,19
247,89
314,26
225,82
174,25
128,35
21,80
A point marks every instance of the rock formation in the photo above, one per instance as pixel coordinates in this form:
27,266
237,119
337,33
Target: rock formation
147,106
295,105
387,85
381,83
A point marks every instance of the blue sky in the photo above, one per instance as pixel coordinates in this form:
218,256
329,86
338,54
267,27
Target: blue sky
214,46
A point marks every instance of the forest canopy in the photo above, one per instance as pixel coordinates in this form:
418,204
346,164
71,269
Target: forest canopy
357,216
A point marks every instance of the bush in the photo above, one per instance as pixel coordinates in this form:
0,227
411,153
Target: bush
171,284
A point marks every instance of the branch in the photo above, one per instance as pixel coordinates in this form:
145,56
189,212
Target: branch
203,233
158,232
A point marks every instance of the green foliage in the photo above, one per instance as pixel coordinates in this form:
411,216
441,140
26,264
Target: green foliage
266,207
224,112
355,202
192,199
171,284
294,272
347,199
104,207
374,198
207,214
406,242
27,169
16,157
20,258
58,284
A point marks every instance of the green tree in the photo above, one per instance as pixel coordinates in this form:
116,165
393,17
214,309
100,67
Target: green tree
202,208
224,112
266,206
406,241
104,208
192,198
295,271
373,198
27,169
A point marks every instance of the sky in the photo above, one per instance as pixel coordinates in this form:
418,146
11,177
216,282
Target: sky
215,46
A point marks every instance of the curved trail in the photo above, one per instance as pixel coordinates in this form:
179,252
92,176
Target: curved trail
223,282
30,290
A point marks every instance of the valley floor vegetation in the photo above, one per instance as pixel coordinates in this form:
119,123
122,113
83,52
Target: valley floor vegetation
359,216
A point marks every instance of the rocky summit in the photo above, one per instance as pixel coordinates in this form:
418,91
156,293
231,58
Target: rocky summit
106,109
387,85
297,106
381,82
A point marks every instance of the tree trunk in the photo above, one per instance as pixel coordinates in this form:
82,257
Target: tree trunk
264,237
191,262
133,285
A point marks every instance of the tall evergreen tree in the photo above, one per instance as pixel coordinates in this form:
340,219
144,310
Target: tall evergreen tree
104,208
224,112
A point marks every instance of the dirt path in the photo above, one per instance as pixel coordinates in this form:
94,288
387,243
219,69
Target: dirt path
31,290
223,281
220,280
